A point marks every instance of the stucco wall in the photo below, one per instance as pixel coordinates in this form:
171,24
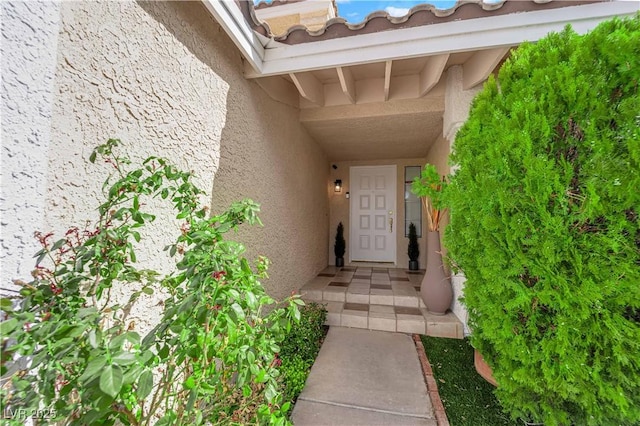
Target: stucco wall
29,38
339,206
166,79
267,155
457,105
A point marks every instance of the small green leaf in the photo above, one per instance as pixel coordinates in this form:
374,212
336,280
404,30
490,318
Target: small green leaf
192,400
8,326
111,380
124,358
92,157
6,305
147,290
238,310
190,383
94,366
145,384
271,392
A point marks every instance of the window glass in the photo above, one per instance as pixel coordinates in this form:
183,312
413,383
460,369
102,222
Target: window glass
412,204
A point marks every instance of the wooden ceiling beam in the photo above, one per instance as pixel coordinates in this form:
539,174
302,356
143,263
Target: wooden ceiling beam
431,73
347,83
480,65
309,87
387,79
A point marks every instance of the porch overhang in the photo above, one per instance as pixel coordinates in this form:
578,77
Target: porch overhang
266,57
380,94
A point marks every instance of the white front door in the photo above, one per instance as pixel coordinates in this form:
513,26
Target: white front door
373,213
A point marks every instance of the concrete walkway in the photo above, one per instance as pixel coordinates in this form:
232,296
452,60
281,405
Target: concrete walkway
364,377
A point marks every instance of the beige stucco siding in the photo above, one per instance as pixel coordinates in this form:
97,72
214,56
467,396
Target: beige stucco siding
166,79
339,206
266,155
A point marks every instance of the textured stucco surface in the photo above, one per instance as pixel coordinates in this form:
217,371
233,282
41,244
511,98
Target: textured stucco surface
122,74
165,79
29,37
267,155
457,106
457,102
340,208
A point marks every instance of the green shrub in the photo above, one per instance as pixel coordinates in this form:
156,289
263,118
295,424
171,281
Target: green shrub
212,359
544,224
299,349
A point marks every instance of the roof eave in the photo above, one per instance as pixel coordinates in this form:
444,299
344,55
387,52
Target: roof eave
451,37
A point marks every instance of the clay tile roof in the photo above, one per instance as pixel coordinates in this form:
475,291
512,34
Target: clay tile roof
422,14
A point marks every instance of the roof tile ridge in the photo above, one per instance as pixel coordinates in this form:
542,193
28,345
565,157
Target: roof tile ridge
264,4
392,19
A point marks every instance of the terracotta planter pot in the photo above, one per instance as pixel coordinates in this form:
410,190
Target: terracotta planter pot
483,368
435,290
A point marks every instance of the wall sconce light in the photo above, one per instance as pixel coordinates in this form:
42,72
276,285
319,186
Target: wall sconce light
338,185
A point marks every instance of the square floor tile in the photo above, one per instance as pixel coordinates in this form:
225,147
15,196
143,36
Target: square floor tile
358,276
404,310
382,309
356,307
334,294
358,297
382,286
356,319
383,322
406,301
335,307
358,289
380,270
311,295
399,279
410,324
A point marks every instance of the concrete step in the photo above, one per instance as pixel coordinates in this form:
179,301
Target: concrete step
384,299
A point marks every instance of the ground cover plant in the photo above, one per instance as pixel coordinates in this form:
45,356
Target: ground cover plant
468,399
545,211
211,359
300,348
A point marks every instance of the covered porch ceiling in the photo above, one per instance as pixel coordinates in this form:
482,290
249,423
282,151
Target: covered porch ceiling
381,110
374,95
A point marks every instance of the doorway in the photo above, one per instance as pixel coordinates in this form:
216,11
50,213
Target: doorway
372,215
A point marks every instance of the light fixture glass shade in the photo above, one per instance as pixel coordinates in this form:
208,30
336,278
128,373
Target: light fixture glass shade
338,185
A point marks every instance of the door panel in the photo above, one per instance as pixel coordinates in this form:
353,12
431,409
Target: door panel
373,213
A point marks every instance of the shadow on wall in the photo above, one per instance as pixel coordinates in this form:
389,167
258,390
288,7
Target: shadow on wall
265,155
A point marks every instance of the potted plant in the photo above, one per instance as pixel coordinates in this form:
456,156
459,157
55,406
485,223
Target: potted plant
414,248
340,245
435,290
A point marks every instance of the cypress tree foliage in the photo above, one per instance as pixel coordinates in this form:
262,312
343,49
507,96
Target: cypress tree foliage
544,224
340,245
414,248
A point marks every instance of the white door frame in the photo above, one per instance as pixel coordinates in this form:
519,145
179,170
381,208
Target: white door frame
391,252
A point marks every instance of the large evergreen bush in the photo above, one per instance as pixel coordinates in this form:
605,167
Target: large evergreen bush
544,224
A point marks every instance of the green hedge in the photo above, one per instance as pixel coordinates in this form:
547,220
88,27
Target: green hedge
544,224
299,349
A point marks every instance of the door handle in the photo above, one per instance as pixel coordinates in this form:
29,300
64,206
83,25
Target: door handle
390,221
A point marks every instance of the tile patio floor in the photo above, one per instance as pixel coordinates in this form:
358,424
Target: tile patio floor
378,298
